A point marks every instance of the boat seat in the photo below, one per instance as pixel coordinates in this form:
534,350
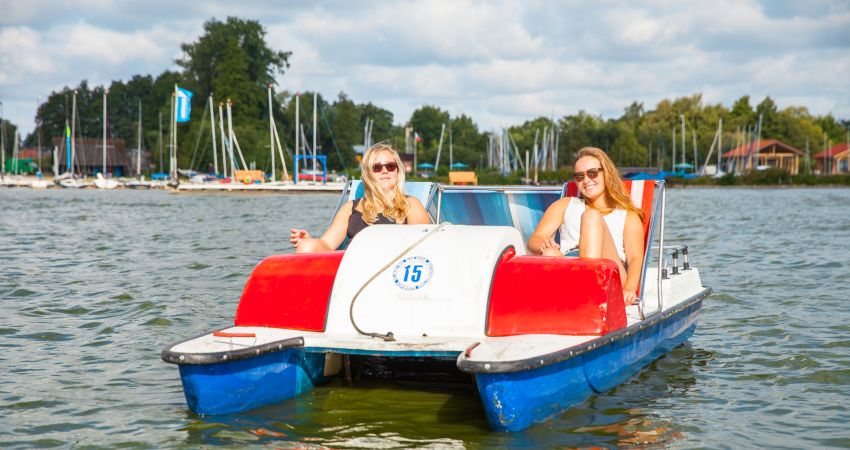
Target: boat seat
590,302
289,291
642,193
422,190
521,209
565,296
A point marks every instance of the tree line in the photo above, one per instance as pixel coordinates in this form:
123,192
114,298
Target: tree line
232,60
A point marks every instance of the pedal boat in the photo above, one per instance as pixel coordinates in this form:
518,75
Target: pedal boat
537,335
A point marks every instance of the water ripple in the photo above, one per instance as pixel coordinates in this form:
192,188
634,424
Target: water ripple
92,296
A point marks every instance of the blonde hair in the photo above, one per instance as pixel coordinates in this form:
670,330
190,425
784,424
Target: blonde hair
392,203
615,189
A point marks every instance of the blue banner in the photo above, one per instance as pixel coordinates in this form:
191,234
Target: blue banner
184,104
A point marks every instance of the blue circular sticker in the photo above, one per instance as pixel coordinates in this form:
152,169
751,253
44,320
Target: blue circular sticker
413,273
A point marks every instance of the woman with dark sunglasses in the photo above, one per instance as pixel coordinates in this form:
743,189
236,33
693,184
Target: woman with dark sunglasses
601,222
383,202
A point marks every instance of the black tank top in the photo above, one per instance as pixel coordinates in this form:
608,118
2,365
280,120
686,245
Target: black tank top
356,223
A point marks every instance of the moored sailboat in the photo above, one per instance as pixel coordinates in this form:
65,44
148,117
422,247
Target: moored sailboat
102,182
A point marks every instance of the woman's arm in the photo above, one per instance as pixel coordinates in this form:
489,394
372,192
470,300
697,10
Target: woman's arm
335,233
634,247
416,214
542,239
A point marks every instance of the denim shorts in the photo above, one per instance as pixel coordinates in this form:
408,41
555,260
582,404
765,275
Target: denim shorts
572,253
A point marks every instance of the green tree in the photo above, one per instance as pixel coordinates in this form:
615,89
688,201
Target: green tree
577,131
633,115
629,152
428,121
382,127
742,113
225,45
770,125
8,130
469,146
346,130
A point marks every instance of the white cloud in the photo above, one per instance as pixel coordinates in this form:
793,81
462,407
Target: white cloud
501,62
22,55
106,46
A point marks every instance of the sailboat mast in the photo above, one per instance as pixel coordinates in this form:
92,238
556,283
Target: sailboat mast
224,143
15,146
105,93
174,138
212,133
280,150
440,149
719,144
451,154
694,136
2,143
230,138
171,136
160,141
673,161
39,138
139,143
315,122
297,134
73,155
683,142
271,131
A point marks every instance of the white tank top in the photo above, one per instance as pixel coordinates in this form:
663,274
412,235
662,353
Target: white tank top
571,226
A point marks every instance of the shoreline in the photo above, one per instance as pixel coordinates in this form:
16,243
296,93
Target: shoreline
26,182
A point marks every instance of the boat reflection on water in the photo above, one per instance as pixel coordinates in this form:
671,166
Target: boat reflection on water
376,412
629,415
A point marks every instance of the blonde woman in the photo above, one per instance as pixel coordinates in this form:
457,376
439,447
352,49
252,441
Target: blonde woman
383,202
601,222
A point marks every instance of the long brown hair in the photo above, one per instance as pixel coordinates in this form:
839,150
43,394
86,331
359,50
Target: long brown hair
615,189
392,203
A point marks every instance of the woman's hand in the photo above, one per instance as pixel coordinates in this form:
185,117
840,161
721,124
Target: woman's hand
629,297
295,236
548,247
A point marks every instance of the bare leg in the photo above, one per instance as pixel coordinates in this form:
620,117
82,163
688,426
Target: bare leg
595,241
312,245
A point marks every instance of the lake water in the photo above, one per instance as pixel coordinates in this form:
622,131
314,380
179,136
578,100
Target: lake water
94,284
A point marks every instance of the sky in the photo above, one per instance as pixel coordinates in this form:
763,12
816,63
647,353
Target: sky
499,62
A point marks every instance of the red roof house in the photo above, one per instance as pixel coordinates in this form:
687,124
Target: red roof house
764,153
832,160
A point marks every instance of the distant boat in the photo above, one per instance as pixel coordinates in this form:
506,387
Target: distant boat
105,183
102,182
68,179
141,183
72,183
40,183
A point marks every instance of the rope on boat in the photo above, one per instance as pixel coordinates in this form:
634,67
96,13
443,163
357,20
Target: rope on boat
388,336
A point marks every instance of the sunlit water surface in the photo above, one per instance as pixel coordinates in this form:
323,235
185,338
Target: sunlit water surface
94,284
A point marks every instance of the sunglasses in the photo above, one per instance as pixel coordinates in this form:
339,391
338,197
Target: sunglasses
591,173
390,166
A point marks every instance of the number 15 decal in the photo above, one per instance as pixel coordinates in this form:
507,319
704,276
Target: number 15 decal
413,273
